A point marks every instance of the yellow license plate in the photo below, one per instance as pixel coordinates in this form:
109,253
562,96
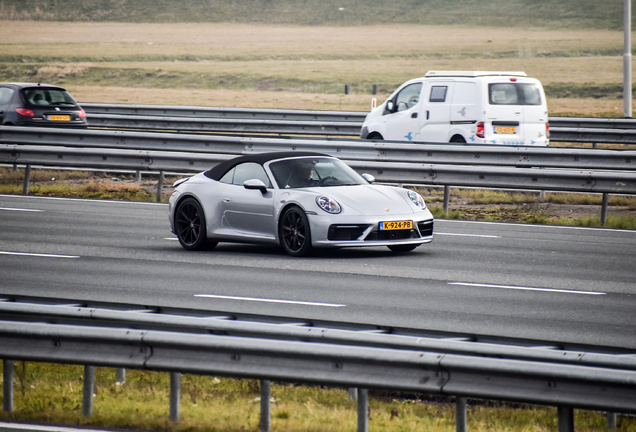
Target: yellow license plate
505,129
396,225
60,118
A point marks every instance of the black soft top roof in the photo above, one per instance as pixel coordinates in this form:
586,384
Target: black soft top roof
260,158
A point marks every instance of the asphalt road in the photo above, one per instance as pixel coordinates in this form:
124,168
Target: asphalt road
559,284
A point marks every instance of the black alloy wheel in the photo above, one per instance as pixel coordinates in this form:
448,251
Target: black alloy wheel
190,225
294,233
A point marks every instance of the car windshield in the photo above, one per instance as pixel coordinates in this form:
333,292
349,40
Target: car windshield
42,96
314,171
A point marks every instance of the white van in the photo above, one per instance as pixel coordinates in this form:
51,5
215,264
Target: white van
505,108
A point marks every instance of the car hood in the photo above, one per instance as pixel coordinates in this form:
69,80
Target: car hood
371,200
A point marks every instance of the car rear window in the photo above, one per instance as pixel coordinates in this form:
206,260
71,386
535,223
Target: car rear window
514,94
47,96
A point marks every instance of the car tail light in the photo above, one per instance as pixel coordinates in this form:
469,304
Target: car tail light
82,113
513,79
547,130
480,130
25,112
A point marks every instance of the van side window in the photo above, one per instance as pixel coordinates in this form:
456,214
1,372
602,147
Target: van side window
438,94
408,97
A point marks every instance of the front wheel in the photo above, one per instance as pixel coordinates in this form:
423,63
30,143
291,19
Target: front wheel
189,223
403,248
294,233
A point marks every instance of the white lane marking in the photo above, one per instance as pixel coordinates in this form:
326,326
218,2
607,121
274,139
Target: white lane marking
527,288
38,254
269,300
171,238
19,209
84,200
536,225
467,235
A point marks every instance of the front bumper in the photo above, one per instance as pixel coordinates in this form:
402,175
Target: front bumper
363,231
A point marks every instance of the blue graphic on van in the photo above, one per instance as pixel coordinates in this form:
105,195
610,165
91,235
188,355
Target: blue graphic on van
472,138
408,137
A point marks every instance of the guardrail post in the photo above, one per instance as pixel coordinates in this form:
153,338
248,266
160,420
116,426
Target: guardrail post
363,410
27,180
446,198
7,385
611,420
566,419
89,386
175,395
460,414
160,185
138,176
266,395
353,393
121,375
604,208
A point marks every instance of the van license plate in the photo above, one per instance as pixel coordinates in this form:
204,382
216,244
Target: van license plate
59,118
396,225
505,129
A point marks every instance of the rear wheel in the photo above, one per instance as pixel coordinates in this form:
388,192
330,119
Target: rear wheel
458,139
189,223
294,233
375,136
403,248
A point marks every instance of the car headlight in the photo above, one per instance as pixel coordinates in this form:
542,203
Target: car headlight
329,205
417,199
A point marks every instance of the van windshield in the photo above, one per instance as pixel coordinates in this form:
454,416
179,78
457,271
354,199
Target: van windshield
514,94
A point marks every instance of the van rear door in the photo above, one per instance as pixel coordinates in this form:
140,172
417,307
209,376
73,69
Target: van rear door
516,113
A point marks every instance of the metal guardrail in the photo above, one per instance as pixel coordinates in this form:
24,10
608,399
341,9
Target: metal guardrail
299,122
227,113
434,164
144,338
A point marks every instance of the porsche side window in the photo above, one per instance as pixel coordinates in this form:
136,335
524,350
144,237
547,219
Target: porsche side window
408,97
228,177
250,171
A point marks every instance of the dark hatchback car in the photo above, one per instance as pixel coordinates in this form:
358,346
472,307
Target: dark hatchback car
32,104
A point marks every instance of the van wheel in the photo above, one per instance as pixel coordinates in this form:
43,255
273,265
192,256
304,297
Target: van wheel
458,139
375,136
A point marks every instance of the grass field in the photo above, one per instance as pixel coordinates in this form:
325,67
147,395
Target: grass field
53,394
302,67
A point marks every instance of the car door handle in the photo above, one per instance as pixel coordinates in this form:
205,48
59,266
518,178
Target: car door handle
226,200
426,114
414,115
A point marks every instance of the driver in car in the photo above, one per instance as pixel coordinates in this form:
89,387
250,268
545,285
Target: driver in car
302,175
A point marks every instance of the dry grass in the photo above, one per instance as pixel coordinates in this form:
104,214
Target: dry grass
288,66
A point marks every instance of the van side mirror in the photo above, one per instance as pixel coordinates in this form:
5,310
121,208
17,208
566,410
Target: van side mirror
255,184
390,106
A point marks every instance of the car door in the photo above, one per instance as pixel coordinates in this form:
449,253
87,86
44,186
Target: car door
249,212
402,116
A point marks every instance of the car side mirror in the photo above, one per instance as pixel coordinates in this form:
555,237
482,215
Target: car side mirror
368,177
390,106
255,184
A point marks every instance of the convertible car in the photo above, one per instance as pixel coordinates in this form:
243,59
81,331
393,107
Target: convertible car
299,200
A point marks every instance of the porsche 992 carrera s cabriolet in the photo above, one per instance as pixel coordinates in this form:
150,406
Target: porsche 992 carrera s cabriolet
300,200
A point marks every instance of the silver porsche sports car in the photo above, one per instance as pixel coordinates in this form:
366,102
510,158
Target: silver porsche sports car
299,200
